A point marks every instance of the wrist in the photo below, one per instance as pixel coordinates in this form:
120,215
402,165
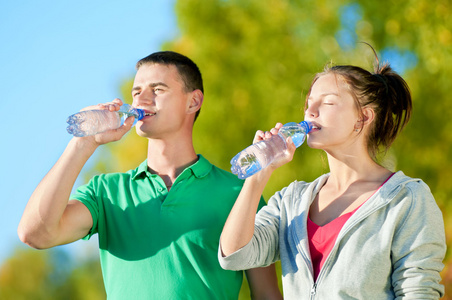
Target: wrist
260,179
86,144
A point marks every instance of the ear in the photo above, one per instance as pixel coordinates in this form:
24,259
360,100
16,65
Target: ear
368,115
196,100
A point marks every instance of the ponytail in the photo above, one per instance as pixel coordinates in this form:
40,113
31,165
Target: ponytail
395,105
386,92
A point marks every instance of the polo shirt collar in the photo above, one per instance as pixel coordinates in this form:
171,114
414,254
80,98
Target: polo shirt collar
199,169
142,170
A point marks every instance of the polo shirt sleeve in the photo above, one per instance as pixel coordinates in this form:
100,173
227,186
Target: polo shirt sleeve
86,194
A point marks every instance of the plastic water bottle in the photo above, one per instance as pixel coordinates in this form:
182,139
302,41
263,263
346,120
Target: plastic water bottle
91,122
259,155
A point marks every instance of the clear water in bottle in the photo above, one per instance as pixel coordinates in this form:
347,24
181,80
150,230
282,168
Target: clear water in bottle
259,155
91,122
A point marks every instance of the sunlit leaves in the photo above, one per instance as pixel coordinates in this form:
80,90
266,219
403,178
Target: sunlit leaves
49,274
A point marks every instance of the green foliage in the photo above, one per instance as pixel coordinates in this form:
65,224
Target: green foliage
34,275
24,276
86,282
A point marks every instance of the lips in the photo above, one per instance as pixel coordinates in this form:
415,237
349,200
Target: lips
315,126
148,113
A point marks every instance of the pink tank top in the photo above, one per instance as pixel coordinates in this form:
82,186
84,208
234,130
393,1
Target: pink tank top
322,238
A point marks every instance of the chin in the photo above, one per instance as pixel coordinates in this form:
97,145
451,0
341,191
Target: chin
313,145
141,132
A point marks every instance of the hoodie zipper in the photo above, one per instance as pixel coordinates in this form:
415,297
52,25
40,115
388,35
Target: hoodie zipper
309,265
313,290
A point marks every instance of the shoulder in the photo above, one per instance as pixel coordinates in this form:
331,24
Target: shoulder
403,186
222,179
209,171
223,174
109,179
411,197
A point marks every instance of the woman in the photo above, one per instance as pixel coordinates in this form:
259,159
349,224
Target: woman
359,232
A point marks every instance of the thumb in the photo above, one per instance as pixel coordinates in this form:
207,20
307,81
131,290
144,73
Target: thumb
118,133
290,145
128,123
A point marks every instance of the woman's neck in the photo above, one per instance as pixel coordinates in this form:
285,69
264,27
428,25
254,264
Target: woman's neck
345,170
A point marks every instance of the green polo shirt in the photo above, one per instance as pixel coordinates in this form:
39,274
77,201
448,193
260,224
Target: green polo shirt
156,244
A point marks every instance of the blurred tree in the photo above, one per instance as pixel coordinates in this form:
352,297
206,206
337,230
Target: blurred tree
85,281
51,274
259,57
26,276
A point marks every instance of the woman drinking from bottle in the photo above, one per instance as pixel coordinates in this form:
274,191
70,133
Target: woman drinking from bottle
361,231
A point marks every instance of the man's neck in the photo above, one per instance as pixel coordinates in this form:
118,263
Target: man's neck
168,160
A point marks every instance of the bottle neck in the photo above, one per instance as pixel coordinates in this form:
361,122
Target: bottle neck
306,125
132,111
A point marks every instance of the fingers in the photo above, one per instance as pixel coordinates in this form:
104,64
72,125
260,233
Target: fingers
274,131
265,135
259,136
114,134
111,106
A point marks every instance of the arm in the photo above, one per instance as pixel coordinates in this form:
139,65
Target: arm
239,227
419,248
49,219
263,283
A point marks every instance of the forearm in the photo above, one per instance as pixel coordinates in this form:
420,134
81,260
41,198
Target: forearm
42,216
239,227
263,283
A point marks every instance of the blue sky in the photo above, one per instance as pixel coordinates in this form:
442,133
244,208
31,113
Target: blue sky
57,57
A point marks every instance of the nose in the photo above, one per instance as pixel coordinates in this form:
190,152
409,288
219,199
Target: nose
143,98
311,111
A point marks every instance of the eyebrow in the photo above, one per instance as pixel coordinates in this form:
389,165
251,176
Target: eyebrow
325,94
151,85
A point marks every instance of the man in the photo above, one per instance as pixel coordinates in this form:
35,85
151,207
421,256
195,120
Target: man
158,225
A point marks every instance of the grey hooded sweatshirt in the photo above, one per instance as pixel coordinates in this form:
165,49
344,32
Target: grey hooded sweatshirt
392,247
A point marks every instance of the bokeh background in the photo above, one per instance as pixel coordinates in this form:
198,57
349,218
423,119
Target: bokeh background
257,58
